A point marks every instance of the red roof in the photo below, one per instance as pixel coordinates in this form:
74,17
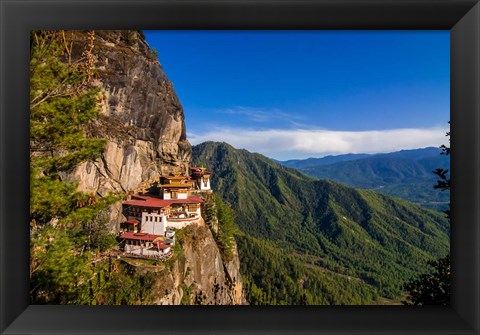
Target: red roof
146,201
139,236
133,221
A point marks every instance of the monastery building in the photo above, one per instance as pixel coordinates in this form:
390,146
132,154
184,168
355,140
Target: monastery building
152,219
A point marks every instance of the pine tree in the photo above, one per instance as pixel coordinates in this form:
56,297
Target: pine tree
63,108
431,288
226,228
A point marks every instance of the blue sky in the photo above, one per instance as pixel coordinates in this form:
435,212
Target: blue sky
299,94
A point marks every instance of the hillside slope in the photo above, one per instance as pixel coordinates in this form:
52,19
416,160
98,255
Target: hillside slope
381,240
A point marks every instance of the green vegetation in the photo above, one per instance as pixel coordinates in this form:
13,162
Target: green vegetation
117,283
431,288
226,228
187,295
359,233
69,229
272,276
153,53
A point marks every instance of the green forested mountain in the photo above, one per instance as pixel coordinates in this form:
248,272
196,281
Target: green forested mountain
318,239
406,174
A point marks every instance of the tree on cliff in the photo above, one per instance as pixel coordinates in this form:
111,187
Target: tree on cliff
226,228
61,109
65,226
433,288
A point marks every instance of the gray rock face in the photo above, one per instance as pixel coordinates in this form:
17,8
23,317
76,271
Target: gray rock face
200,276
141,116
143,123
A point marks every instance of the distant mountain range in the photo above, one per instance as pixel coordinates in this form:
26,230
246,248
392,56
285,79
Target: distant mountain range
308,241
406,174
309,162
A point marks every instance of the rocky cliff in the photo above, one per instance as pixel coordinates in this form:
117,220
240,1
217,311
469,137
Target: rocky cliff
143,123
198,273
141,116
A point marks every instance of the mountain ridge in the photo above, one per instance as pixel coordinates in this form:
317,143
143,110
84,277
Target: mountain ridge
383,240
406,174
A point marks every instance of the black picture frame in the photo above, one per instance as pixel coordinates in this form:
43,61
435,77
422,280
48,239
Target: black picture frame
461,17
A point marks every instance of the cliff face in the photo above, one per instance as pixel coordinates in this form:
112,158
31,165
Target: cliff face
198,274
141,116
143,123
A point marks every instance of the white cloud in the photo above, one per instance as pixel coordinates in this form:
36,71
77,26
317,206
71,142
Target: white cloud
302,143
